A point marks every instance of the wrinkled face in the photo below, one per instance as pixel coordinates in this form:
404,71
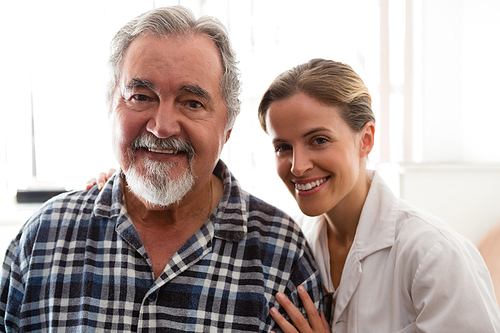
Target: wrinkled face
318,156
169,89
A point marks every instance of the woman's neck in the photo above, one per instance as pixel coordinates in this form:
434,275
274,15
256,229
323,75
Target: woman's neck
343,219
342,222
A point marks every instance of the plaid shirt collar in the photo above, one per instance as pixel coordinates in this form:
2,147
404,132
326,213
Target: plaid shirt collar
232,227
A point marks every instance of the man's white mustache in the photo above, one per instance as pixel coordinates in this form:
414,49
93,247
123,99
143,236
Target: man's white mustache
148,141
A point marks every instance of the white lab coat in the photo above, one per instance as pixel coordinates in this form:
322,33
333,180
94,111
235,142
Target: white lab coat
407,271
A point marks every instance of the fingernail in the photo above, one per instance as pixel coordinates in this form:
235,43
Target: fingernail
100,186
273,311
301,289
280,296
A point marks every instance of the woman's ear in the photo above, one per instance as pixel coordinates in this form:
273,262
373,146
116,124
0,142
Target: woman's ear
366,139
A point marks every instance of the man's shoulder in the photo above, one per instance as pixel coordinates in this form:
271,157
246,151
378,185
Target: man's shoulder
66,206
264,222
273,223
260,207
266,213
73,201
238,198
56,214
282,246
83,202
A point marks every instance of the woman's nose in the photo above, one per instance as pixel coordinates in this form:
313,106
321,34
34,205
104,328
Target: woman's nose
301,162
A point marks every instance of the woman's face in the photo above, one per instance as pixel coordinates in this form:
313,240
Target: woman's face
318,156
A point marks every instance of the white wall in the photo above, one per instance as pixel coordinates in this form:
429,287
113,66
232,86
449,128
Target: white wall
466,196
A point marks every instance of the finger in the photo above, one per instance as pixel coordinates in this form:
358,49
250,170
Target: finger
110,173
102,178
285,326
311,310
90,184
326,326
295,315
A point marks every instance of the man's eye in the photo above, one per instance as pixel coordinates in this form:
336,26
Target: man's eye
194,104
140,97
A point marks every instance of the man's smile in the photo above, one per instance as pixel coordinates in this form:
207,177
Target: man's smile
162,151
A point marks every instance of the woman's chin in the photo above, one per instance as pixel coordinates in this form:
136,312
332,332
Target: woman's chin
311,211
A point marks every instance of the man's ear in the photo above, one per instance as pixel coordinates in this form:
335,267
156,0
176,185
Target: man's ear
366,139
228,134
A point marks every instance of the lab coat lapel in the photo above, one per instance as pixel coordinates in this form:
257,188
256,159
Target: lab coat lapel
376,230
351,275
377,224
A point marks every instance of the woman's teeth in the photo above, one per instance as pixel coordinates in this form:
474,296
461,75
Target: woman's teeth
163,151
308,186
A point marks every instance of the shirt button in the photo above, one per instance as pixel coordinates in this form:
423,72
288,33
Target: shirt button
152,297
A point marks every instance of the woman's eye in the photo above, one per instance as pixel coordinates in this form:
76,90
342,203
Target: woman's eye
320,141
281,149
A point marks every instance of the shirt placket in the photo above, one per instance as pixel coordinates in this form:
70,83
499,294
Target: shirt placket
200,244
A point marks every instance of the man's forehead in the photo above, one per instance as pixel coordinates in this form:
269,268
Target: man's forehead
194,49
182,61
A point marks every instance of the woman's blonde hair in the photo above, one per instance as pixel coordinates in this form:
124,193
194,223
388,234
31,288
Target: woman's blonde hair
330,83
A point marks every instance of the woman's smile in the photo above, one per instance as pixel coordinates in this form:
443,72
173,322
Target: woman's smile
307,185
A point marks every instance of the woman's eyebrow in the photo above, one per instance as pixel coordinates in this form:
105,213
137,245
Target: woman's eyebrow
317,129
305,135
278,140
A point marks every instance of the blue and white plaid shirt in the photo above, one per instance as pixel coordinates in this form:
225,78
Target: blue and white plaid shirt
78,265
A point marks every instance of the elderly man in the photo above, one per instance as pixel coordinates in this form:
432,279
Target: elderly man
172,243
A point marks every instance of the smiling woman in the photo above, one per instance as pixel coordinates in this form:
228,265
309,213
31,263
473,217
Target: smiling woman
323,140
368,243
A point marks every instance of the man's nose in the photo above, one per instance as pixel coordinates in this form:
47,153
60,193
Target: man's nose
301,162
165,121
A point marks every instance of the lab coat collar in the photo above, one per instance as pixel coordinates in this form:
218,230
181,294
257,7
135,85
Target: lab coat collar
377,224
376,230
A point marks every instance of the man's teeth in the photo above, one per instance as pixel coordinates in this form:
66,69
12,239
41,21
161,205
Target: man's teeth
163,151
308,186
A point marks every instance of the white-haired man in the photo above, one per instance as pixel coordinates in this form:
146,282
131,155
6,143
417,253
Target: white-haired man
172,243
